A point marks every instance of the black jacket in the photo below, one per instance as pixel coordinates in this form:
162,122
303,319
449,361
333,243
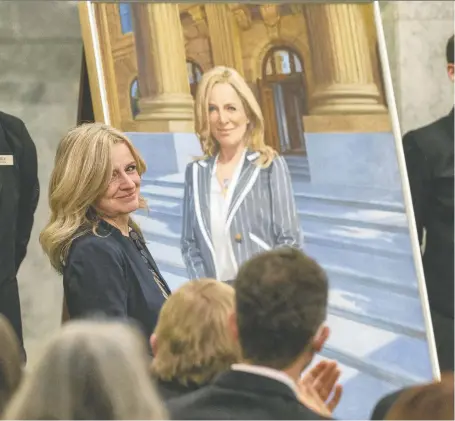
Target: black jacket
429,160
107,275
236,395
173,389
19,194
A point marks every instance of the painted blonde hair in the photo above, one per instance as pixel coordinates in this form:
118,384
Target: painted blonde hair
255,131
81,175
89,370
193,343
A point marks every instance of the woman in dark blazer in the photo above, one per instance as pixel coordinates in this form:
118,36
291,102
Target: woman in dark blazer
91,238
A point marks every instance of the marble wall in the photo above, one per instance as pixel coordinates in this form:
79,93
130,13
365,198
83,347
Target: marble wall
416,36
40,60
40,55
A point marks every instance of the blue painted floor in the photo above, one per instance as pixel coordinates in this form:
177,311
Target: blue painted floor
360,237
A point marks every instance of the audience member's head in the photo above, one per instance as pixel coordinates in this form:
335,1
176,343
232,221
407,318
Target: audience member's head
281,304
191,343
449,58
97,176
434,401
90,370
10,362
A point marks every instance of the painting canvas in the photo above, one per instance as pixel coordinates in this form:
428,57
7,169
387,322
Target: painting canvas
320,74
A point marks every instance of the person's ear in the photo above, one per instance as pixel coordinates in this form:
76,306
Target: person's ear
451,71
154,344
320,338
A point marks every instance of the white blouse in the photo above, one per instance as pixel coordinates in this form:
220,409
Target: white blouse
225,263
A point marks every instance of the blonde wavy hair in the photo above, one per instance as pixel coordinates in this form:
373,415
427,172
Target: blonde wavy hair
193,344
89,370
254,137
81,175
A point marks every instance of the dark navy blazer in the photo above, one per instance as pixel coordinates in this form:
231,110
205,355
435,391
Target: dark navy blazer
106,275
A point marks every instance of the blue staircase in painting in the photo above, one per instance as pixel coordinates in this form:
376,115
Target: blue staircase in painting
360,237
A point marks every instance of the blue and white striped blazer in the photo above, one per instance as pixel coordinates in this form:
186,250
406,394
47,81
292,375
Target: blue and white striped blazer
262,214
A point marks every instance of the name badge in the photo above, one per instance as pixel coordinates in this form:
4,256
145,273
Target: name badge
6,160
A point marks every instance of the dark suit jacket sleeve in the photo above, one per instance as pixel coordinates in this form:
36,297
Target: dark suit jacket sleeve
29,194
95,278
419,176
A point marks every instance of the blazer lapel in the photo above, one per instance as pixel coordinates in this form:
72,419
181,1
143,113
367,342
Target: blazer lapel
248,176
204,176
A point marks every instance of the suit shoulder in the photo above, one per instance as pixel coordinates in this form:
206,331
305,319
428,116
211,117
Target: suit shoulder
11,122
90,244
425,135
279,163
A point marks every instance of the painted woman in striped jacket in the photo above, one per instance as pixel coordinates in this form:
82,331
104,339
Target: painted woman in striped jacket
238,198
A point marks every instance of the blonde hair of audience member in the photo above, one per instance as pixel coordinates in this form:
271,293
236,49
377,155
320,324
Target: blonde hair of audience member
10,362
433,401
254,137
191,343
90,370
82,172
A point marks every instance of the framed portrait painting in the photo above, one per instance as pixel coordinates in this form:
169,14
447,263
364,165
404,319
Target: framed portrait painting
320,74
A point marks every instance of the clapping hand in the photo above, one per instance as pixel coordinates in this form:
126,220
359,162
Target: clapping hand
317,385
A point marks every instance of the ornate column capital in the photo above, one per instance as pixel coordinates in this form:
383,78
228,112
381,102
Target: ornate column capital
165,103
271,16
224,36
242,15
342,61
197,13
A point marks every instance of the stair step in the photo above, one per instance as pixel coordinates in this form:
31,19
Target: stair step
400,271
298,169
357,238
378,199
171,188
174,281
296,159
334,251
168,222
338,211
371,389
315,212
354,351
349,297
359,350
364,303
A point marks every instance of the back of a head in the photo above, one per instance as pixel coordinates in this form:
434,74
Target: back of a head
10,362
281,301
192,338
91,370
434,401
450,50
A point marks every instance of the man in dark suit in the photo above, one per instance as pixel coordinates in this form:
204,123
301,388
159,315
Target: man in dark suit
19,193
429,159
281,304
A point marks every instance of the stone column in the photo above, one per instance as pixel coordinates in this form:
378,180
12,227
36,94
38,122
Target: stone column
224,36
165,103
342,61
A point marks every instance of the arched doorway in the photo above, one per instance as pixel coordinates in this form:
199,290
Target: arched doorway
194,75
283,100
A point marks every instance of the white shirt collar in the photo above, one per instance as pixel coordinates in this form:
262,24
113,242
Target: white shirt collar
268,372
